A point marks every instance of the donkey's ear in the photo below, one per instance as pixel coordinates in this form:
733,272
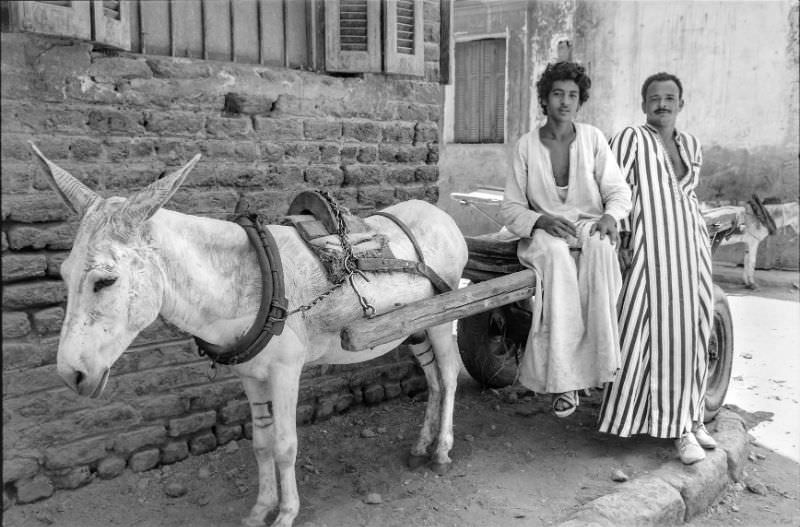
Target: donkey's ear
147,201
74,193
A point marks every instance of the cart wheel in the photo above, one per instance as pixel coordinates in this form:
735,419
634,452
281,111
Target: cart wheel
720,355
492,344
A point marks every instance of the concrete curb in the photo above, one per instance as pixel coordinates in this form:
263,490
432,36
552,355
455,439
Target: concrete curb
674,493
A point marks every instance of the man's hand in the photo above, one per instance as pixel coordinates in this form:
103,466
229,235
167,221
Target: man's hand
606,225
555,226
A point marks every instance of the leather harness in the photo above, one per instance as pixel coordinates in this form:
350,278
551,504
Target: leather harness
272,312
395,264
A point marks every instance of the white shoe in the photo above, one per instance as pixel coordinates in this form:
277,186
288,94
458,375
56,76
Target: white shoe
703,437
689,449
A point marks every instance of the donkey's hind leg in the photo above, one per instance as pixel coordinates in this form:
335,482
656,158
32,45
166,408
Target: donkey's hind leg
444,347
424,353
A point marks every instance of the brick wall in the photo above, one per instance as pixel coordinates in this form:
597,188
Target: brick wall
118,122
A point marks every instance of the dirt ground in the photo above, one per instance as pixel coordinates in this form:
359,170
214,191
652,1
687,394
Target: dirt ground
514,465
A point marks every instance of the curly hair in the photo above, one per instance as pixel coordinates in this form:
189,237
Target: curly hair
563,71
661,77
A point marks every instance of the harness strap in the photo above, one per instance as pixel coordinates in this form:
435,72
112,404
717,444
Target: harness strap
762,214
391,264
272,311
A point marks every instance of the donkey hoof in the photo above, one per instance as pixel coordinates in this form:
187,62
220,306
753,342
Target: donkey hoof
441,469
414,461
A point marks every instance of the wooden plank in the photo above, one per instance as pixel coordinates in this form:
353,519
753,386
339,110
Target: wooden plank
271,20
245,37
487,128
187,39
136,27
112,24
217,29
500,101
367,333
315,33
501,243
296,41
155,27
72,19
445,39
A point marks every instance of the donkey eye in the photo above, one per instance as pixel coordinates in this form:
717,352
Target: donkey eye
103,283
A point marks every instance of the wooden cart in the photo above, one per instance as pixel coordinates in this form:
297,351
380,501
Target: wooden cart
492,342
494,310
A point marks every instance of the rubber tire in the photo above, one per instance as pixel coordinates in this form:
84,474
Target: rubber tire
492,344
720,355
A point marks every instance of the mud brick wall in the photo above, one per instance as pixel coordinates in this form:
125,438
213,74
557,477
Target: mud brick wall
117,122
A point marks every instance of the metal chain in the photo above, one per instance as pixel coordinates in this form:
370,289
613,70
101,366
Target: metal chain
319,298
350,265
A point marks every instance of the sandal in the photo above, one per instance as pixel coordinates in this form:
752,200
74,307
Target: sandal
564,404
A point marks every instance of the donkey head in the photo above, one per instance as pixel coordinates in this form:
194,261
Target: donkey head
114,286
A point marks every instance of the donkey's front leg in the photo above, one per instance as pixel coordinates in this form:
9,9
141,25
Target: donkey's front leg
285,384
261,409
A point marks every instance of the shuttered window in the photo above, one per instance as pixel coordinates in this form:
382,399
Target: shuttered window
105,22
352,36
480,91
403,45
112,9
112,23
62,18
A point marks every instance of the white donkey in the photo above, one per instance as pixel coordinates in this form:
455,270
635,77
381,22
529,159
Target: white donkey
132,260
784,214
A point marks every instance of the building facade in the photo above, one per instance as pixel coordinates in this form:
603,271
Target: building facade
279,97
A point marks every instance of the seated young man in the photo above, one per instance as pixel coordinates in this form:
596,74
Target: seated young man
566,191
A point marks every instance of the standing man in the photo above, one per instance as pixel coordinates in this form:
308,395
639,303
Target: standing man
566,191
666,307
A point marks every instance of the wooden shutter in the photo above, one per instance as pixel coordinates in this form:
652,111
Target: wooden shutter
112,23
352,35
61,18
467,92
492,99
480,91
445,38
403,48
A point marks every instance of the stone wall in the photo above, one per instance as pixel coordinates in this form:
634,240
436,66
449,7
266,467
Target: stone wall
118,121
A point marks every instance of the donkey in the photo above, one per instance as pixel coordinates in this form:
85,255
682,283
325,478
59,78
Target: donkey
784,215
133,260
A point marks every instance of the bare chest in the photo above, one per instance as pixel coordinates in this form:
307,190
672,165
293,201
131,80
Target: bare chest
559,160
675,159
